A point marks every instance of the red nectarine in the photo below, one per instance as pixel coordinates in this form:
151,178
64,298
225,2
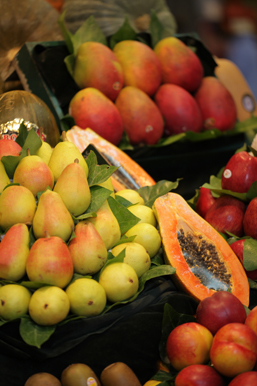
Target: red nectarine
199,375
248,378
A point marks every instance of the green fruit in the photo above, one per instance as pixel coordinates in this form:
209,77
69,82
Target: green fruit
49,305
120,281
135,256
143,212
146,235
87,297
14,301
131,195
79,374
45,152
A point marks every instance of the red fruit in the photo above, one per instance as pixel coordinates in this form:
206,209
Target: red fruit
251,320
238,248
179,109
220,309
142,119
204,202
249,378
239,173
216,104
227,214
9,147
199,375
91,108
250,219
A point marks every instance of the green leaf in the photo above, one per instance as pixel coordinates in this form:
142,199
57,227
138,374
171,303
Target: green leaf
157,29
67,122
252,192
121,200
124,217
65,32
155,271
98,196
250,254
33,334
240,196
98,173
125,32
150,193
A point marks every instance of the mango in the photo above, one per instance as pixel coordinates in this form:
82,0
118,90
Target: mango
142,119
97,66
90,108
179,109
180,65
141,67
216,104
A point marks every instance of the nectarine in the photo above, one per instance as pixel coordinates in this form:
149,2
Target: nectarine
199,375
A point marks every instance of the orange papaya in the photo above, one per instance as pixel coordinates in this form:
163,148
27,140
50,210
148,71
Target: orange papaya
130,175
203,259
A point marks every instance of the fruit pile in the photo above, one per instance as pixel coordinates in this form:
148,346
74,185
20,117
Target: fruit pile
216,347
229,204
63,251
147,92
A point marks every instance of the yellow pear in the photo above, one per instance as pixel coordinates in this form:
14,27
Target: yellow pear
14,251
64,153
108,185
131,195
49,305
45,151
73,188
87,297
146,235
52,217
4,179
107,225
17,205
143,212
14,301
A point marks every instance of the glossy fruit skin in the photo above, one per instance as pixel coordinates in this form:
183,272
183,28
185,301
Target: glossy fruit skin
91,108
188,344
179,109
199,375
9,147
238,247
251,320
204,201
250,219
239,173
248,378
227,214
234,349
219,309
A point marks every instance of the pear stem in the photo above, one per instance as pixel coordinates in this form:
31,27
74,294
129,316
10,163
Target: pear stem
28,151
64,136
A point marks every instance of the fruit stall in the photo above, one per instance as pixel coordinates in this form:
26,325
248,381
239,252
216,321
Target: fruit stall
128,191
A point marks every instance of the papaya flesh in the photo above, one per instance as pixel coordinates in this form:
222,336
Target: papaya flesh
204,261
129,175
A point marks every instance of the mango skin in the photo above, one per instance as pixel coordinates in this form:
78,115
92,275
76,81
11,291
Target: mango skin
180,65
142,119
179,108
97,66
90,108
141,67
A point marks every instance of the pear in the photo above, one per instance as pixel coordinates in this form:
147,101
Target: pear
17,205
107,225
119,281
49,305
87,249
64,153
108,185
73,188
87,297
49,261
42,379
14,251
52,217
135,255
143,212
146,235
14,301
79,374
131,195
4,179
33,173
45,152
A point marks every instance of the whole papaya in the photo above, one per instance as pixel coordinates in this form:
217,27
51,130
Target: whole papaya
180,65
97,66
90,108
140,65
142,119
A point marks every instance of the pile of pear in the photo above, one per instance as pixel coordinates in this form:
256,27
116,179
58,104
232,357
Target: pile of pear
52,259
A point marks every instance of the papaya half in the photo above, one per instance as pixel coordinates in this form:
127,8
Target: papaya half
130,175
204,261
